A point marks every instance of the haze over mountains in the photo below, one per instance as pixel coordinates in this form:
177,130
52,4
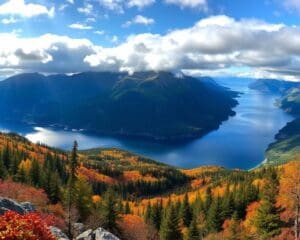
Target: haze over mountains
156,105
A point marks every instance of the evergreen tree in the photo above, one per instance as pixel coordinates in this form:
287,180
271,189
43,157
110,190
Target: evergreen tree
214,217
54,193
5,155
267,220
148,212
83,199
170,229
186,211
71,191
193,231
156,215
3,171
127,208
110,214
208,199
35,174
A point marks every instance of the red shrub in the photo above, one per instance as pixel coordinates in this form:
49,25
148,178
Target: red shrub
14,226
23,193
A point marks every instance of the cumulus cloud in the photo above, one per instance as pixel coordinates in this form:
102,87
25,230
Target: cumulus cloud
201,4
87,9
217,44
140,3
20,8
139,19
80,26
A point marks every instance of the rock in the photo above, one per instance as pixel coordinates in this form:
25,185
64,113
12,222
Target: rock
9,204
56,232
78,228
28,206
101,234
98,234
87,235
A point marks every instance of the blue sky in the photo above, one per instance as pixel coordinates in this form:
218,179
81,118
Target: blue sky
65,36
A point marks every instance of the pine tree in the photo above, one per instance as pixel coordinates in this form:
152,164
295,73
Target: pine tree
208,199
170,229
3,171
54,188
35,174
148,212
186,212
110,214
193,231
71,191
227,204
5,155
156,215
267,220
127,208
214,217
83,199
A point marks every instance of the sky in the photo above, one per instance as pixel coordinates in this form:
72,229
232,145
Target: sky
257,38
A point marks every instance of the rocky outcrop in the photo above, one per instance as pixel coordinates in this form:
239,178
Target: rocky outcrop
98,234
58,234
7,204
28,207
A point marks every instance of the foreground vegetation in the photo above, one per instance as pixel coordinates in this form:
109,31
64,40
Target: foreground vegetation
138,198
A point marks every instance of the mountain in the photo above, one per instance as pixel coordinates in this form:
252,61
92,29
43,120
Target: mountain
286,146
156,105
273,86
290,102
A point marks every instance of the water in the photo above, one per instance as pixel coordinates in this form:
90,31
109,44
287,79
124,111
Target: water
240,142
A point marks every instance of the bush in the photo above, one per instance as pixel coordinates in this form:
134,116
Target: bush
14,226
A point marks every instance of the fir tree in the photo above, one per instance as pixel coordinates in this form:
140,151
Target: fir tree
193,231
214,217
170,229
110,214
186,212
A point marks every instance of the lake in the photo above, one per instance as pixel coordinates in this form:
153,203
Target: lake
240,142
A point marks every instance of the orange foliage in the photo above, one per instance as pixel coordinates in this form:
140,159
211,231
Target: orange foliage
134,227
135,176
23,193
94,176
251,214
96,199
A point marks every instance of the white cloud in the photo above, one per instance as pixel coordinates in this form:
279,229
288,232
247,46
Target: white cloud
87,9
114,5
20,8
201,4
115,39
140,3
139,19
9,20
293,5
214,45
70,1
80,26
99,32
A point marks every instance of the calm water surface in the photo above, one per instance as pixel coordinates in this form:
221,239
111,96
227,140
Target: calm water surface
239,143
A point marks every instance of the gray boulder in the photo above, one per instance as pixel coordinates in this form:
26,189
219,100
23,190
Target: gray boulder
9,204
87,235
28,206
56,232
101,234
98,234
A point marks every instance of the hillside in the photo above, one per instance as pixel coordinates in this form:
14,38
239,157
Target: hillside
287,141
273,86
155,105
211,202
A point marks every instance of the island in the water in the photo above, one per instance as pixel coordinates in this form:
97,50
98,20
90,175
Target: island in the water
154,105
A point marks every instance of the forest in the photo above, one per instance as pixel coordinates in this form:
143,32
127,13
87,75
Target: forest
137,198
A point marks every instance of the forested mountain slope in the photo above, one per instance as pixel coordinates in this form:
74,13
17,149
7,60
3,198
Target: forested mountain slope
155,105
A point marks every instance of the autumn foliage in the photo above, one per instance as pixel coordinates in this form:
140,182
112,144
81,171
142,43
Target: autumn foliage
14,226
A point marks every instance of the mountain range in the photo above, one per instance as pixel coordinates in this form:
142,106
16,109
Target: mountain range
155,105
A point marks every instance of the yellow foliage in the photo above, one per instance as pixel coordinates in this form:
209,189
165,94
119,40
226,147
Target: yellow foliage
25,165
